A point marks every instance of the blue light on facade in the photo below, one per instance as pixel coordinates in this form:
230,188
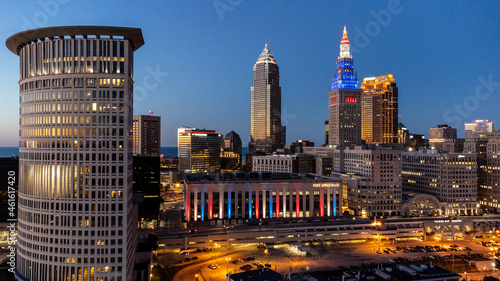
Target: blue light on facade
346,77
229,204
270,205
202,205
250,204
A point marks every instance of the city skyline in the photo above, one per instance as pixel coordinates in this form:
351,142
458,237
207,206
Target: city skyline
443,58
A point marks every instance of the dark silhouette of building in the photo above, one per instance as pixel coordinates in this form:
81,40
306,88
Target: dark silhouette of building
231,154
296,146
146,184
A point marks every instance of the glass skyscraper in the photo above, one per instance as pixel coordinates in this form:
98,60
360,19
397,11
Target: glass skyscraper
265,122
199,150
76,220
379,110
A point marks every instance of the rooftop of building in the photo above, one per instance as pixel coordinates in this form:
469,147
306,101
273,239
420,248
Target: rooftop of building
402,272
427,151
266,56
17,41
253,177
263,274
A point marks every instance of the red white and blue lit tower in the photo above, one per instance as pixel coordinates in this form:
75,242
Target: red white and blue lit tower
344,103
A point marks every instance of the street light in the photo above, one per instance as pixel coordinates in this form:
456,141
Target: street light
227,264
465,275
213,250
267,254
377,224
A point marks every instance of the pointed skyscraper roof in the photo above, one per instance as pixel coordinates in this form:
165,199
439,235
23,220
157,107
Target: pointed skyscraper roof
344,40
266,56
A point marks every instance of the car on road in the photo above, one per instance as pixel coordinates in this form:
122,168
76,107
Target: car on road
213,266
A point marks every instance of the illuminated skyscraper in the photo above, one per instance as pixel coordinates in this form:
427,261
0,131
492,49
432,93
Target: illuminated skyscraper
146,134
265,122
344,110
379,105
199,150
76,220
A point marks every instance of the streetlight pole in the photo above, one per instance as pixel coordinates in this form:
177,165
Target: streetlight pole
377,224
267,255
227,265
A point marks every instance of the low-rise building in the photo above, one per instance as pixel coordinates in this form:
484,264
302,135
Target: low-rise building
284,163
260,195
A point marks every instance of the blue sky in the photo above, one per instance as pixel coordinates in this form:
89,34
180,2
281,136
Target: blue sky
444,56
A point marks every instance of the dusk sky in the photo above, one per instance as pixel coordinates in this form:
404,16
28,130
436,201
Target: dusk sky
195,68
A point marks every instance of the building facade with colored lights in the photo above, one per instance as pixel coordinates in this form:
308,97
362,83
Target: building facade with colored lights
76,220
450,177
265,110
260,196
199,150
344,101
379,110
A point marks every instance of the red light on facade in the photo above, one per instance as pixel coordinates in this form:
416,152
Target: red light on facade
333,100
321,205
297,204
350,100
257,204
210,205
277,204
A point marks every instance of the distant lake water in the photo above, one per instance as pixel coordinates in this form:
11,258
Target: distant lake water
166,151
9,151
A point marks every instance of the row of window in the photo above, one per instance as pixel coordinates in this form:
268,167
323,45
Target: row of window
71,95
70,107
71,132
73,56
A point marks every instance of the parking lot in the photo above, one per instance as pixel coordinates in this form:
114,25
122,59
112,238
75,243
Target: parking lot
323,256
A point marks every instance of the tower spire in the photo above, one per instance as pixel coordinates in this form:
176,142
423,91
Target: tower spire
344,40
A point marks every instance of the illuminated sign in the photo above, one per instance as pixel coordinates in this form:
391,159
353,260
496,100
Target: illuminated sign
333,100
447,221
326,184
350,100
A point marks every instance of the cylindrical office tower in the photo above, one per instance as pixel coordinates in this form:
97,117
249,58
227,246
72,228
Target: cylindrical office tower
75,213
